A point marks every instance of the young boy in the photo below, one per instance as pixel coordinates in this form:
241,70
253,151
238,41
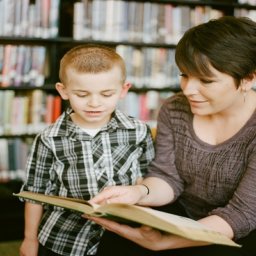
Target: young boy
92,145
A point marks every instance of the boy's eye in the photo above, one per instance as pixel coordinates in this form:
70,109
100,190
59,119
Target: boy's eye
81,95
107,94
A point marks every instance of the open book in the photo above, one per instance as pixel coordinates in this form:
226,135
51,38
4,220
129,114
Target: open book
134,214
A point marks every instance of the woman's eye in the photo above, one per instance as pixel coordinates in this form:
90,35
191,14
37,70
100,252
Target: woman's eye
183,75
206,81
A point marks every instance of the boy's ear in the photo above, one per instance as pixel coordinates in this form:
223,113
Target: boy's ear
125,88
62,90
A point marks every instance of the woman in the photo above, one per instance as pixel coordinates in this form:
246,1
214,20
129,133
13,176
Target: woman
205,164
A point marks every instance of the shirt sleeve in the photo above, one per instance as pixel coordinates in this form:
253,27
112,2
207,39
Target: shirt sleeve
148,150
240,212
38,168
163,166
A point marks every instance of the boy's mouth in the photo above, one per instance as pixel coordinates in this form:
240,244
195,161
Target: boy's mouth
92,113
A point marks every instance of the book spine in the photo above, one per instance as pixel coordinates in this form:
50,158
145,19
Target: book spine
79,21
56,108
54,18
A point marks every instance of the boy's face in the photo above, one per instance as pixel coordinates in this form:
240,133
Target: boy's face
93,96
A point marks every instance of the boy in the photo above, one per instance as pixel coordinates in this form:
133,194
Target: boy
92,145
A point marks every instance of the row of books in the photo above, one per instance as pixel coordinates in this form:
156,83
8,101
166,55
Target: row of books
246,13
27,112
23,65
144,106
146,66
14,151
251,2
150,67
13,156
118,20
32,112
38,18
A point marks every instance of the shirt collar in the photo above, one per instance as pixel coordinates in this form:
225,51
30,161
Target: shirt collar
67,128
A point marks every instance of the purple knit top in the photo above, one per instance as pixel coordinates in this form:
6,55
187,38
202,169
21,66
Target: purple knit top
207,179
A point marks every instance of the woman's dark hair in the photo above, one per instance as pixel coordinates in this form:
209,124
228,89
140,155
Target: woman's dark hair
228,44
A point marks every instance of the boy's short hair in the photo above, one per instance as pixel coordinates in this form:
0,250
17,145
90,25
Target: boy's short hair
91,58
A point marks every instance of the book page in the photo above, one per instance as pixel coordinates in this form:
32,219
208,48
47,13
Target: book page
64,202
178,220
166,222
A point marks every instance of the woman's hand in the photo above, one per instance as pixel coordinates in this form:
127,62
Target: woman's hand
120,194
143,236
151,192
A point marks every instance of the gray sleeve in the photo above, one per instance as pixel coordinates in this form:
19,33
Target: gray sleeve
240,212
163,166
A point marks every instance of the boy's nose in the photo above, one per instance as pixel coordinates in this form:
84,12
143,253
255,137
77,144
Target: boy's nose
94,101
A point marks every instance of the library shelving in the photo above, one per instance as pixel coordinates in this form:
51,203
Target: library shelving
34,35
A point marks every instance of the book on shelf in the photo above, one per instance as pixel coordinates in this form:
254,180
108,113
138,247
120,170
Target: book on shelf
4,155
24,18
78,21
37,18
54,18
7,110
6,65
20,60
45,14
1,62
49,105
8,13
56,112
135,215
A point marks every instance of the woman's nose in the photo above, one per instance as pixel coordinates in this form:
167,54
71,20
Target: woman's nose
190,86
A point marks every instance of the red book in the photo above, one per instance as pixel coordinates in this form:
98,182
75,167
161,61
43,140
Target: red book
56,108
49,109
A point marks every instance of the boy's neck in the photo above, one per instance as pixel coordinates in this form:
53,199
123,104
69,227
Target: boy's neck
92,126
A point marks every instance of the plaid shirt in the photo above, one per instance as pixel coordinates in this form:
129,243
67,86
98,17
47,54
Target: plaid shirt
66,161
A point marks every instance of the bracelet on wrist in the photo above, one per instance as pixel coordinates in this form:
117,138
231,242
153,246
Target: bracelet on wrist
146,188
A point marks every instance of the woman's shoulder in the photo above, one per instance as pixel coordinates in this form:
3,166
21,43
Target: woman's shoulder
177,103
175,111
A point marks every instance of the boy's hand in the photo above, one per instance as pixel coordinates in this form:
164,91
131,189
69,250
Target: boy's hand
29,247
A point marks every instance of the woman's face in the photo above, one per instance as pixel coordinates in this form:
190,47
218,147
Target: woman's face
211,95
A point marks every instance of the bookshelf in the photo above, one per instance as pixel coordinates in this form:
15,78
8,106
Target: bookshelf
34,35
